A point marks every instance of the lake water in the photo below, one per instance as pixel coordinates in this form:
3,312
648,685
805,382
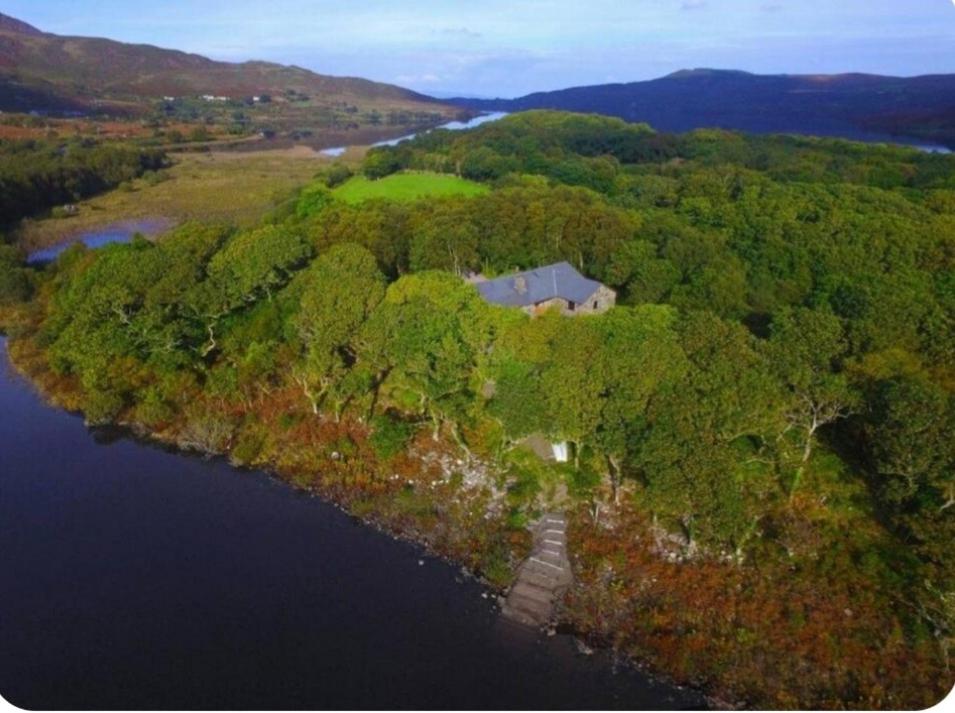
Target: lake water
930,148
451,126
133,577
116,233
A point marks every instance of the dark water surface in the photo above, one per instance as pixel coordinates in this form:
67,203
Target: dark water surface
131,577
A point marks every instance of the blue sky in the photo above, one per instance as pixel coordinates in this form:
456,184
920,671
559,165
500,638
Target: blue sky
512,47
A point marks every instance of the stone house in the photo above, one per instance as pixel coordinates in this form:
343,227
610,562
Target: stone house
558,285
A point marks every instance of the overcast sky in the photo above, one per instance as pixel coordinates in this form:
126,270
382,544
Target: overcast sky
512,47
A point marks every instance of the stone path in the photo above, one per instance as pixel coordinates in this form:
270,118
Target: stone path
543,577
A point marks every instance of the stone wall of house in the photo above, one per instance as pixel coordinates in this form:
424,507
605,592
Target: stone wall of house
541,307
600,301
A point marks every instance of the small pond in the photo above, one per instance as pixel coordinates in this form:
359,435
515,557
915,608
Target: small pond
115,233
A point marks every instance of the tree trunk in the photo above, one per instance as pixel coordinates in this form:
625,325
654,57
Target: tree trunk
340,407
806,454
613,468
458,438
211,344
310,396
379,380
750,531
687,522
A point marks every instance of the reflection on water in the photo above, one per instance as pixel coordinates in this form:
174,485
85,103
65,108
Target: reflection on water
476,121
450,126
115,233
133,577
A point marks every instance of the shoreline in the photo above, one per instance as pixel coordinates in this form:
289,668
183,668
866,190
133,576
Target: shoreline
587,643
169,202
150,228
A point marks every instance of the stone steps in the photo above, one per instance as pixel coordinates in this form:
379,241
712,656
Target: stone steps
527,612
540,580
526,590
543,577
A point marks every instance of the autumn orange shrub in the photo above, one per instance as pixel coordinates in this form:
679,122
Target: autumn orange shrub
772,634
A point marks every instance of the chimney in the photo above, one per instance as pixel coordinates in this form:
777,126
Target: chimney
520,284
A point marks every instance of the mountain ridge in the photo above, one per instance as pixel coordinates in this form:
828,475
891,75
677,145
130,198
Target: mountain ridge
849,104
73,72
12,24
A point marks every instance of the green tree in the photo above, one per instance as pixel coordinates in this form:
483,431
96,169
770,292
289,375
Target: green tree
423,344
252,264
313,200
444,238
341,290
381,162
15,282
699,446
806,347
639,357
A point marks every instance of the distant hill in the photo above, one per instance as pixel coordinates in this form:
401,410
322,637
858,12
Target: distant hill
11,24
860,106
43,71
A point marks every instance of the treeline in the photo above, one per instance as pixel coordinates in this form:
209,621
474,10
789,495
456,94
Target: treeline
37,175
773,392
604,154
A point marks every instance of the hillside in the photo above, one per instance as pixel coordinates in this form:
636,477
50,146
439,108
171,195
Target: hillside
47,72
860,106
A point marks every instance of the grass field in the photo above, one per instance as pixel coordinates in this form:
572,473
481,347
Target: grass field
407,187
236,188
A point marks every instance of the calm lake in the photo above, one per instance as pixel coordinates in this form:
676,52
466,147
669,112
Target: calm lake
133,577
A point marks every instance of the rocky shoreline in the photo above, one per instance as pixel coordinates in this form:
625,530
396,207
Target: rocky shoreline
587,643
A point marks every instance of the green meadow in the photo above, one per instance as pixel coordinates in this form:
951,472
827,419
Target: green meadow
407,187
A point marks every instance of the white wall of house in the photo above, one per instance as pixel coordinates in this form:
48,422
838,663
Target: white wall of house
561,454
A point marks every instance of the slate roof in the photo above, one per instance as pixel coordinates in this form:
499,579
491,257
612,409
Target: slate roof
538,285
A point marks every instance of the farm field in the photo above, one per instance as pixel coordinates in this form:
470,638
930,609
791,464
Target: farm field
407,187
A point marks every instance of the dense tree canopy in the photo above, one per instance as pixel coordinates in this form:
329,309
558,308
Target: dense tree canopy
773,389
15,283
37,175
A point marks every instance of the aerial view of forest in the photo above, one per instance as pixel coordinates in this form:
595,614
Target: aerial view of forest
572,390
761,459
